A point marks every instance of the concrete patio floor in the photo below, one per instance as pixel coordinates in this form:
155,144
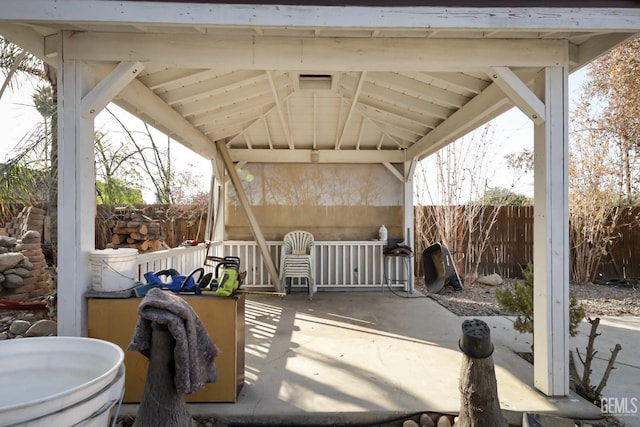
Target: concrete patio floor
364,358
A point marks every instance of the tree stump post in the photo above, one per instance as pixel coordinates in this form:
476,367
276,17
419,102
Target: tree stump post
161,404
479,404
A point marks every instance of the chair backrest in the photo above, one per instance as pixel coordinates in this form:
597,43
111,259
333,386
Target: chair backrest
297,242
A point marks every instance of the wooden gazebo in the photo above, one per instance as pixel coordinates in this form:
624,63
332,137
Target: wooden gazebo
369,86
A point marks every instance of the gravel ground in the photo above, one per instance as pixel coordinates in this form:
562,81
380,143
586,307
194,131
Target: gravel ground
476,299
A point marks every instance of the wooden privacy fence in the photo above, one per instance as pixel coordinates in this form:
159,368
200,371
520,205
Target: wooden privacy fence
509,242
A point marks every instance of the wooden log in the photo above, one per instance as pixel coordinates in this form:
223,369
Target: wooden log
161,404
479,404
143,246
139,228
130,240
139,236
116,239
154,245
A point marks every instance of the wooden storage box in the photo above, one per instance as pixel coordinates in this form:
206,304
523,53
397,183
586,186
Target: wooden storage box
114,320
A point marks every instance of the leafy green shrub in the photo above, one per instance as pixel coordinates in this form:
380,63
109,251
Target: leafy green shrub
520,302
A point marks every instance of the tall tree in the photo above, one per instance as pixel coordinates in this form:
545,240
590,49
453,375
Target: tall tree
604,162
15,61
612,89
456,181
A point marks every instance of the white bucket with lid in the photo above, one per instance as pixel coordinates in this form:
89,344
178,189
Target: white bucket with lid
54,381
113,269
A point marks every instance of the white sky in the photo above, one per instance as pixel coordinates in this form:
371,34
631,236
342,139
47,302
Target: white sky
513,131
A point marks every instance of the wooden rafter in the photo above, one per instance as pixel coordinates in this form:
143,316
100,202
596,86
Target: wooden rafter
352,107
281,114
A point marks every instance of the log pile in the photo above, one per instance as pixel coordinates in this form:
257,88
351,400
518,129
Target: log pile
131,229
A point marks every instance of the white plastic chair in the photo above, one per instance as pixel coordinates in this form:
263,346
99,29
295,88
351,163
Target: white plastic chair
296,259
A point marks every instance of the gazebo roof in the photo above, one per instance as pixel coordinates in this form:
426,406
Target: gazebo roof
375,84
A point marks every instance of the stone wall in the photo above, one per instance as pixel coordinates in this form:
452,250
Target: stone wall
23,269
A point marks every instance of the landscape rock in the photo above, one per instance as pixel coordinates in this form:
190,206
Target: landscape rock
4,336
31,236
3,250
8,242
410,423
25,263
42,328
490,280
426,421
19,327
22,272
1,277
12,281
10,260
443,421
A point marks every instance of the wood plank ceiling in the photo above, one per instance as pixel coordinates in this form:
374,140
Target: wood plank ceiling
335,111
325,110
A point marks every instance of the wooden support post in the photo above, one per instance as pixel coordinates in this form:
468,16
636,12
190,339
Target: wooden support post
76,197
253,222
551,238
479,404
408,218
161,404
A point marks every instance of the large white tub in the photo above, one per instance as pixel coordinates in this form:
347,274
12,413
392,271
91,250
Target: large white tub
59,381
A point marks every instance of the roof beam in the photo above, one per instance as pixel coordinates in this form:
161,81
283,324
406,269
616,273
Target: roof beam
28,39
519,93
324,156
310,54
405,115
398,99
405,129
209,87
461,80
394,171
484,107
167,119
594,47
434,94
229,111
191,14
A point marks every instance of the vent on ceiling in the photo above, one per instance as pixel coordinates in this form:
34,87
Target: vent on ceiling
315,81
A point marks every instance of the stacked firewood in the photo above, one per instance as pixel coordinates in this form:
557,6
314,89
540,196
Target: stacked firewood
131,229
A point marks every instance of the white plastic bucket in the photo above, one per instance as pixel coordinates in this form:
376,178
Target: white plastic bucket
113,269
50,381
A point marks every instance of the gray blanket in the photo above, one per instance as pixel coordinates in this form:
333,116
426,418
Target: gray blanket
194,352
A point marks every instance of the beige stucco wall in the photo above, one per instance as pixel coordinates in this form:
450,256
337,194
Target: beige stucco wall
334,202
